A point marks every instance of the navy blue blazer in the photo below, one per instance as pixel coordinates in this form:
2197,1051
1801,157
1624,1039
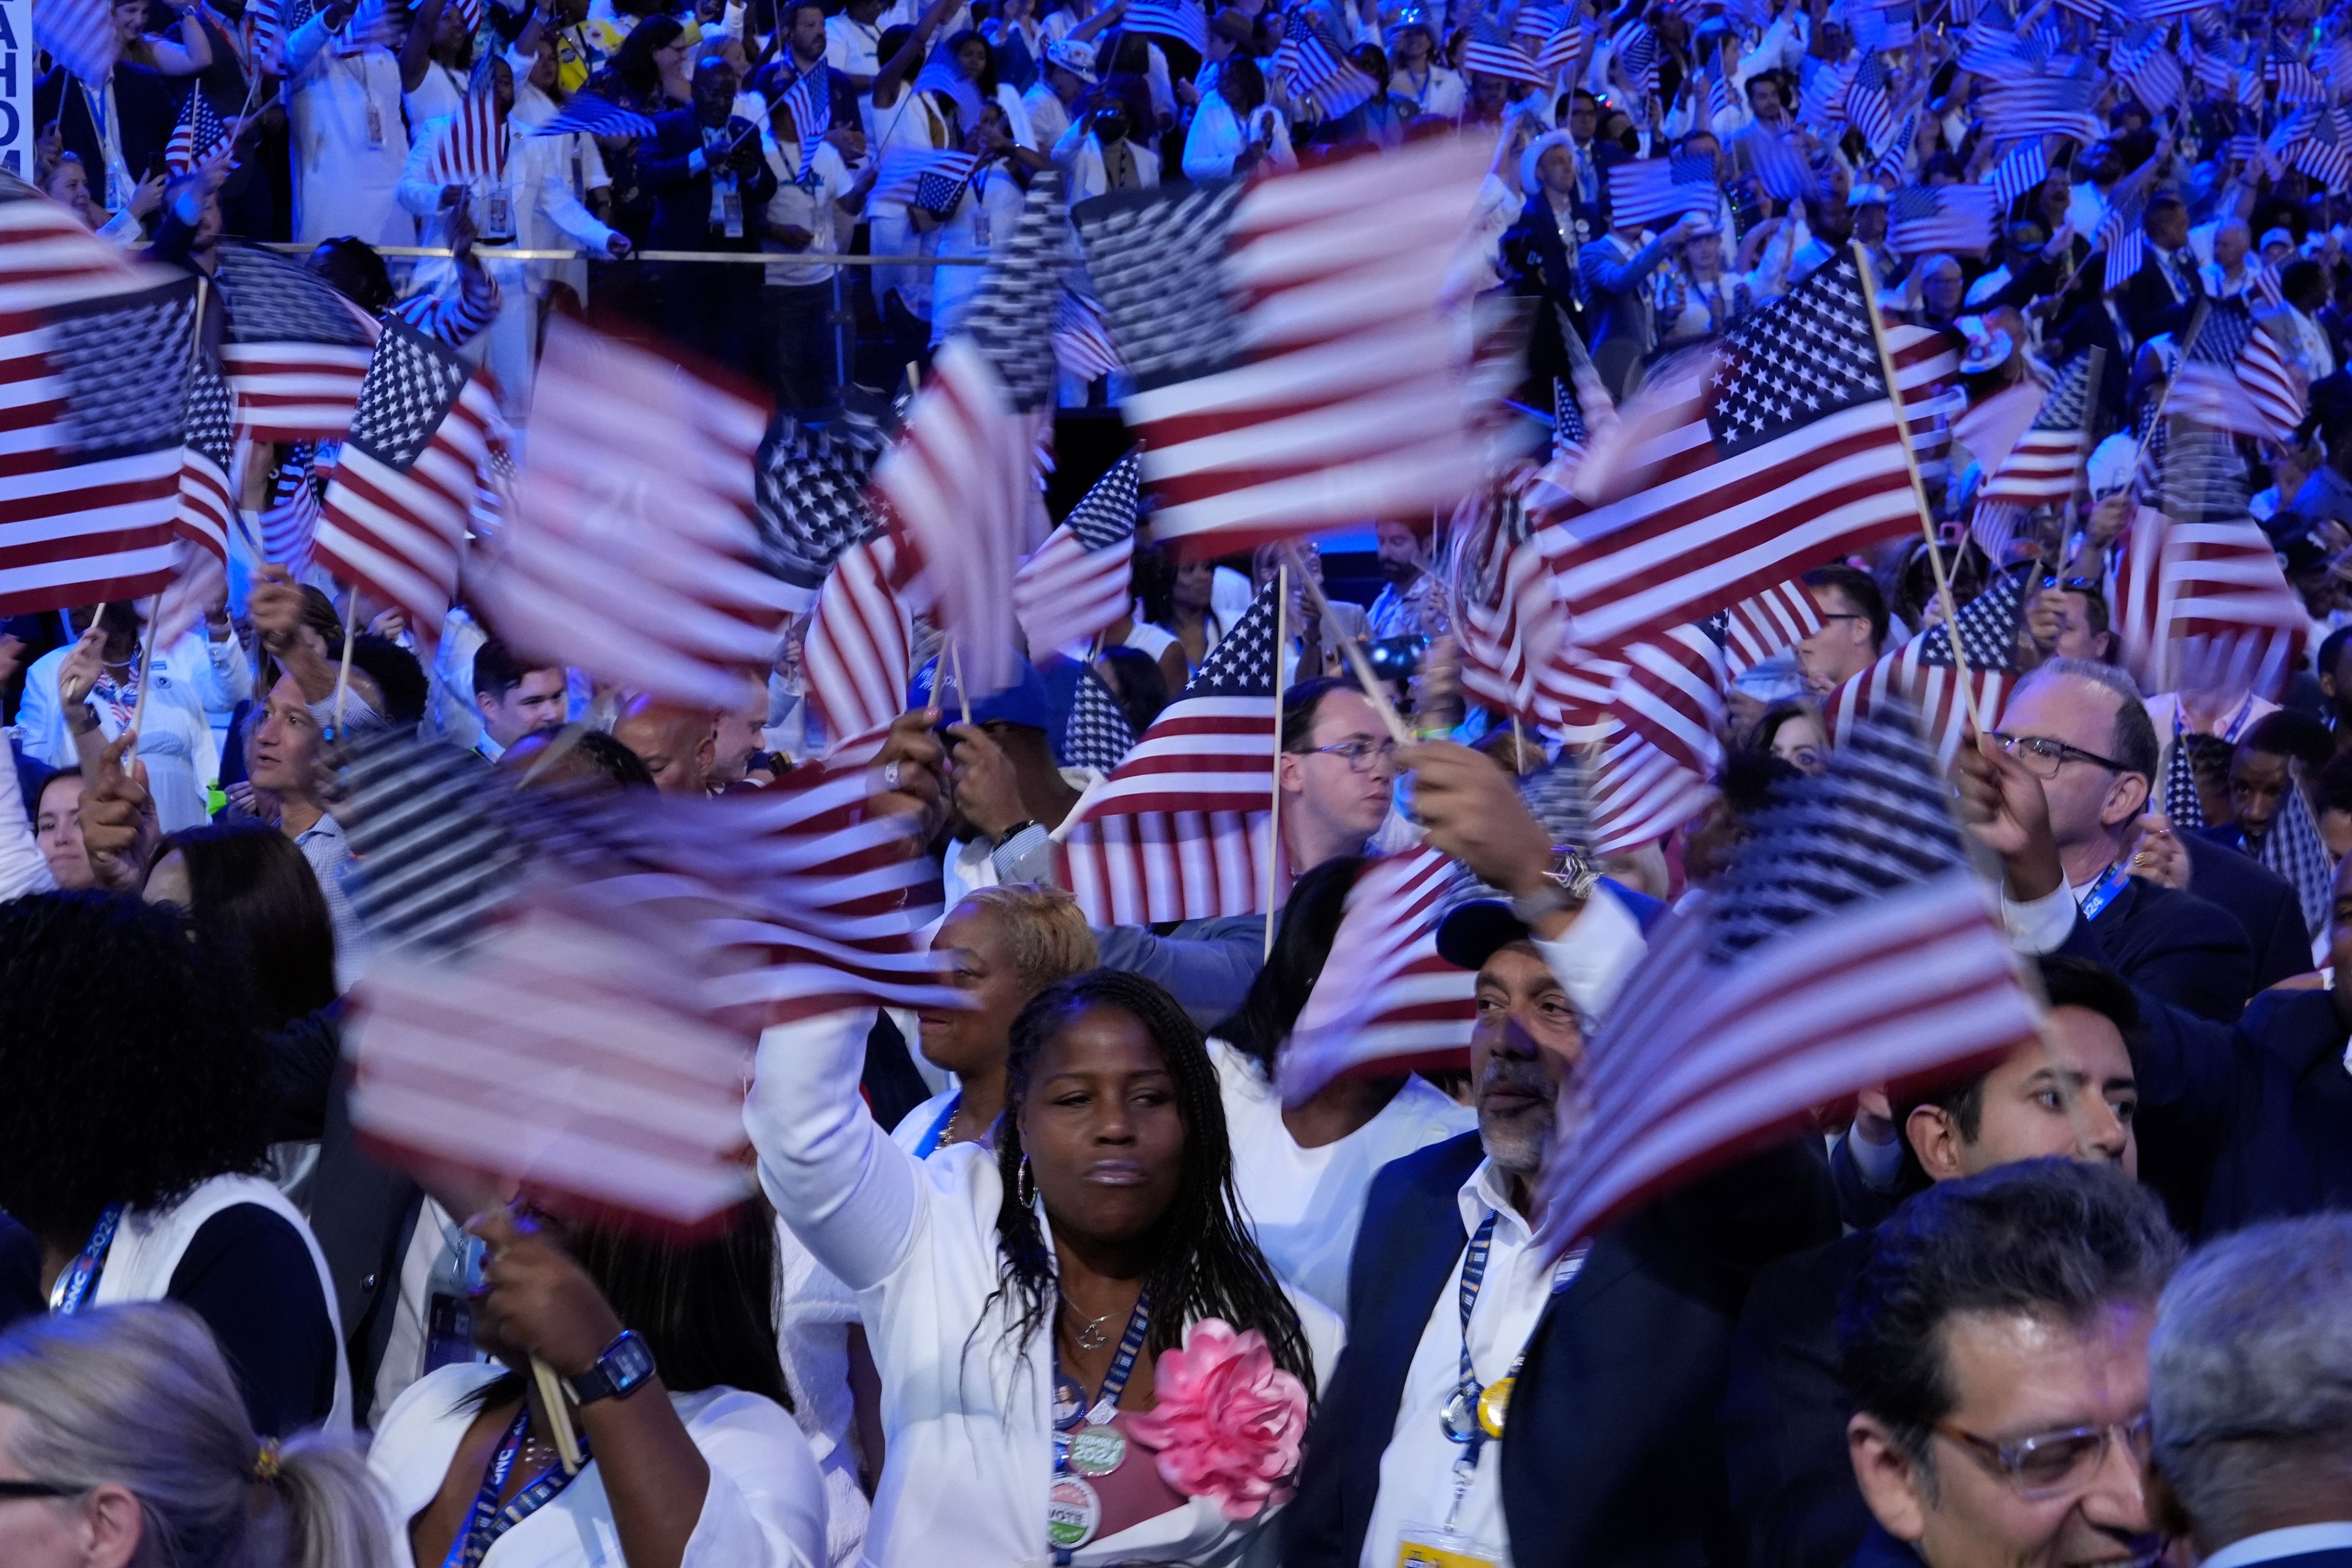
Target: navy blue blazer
2178,947
682,194
2262,902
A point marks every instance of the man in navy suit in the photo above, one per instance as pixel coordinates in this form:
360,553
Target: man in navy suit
2249,1398
1492,1401
711,184
1996,1348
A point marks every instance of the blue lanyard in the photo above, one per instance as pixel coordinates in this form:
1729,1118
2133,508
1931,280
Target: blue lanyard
73,1286
488,1521
1474,1275
930,1143
2103,891
1105,1403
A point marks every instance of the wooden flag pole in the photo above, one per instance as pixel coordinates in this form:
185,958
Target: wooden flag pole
1274,818
955,663
343,674
146,664
1919,490
558,1416
1357,663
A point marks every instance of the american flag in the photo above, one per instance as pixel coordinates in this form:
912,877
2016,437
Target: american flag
1640,794
197,139
2047,460
1294,368
1924,219
1651,192
2296,81
1315,73
1489,51
79,35
1505,604
1385,1002
2017,105
1183,829
1920,676
1182,20
1990,428
208,511
592,115
2153,70
290,520
1867,109
295,352
1925,363
1777,450
2124,239
1820,88
96,358
1095,734
1989,45
810,99
1995,526
902,171
472,146
395,514
1850,944
577,1053
2321,145
1895,159
860,649
1080,580
1635,49
632,554
810,486
469,14
959,482
1780,169
1082,342
2204,605
2021,169
2235,378
1767,624
1563,55
1672,696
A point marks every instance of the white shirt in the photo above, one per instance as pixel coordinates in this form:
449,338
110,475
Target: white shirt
851,47
809,206
1218,138
1049,117
349,143
1305,1204
403,1349
1416,1479
968,1417
175,735
1441,91
2295,1540
329,854
764,1507
22,868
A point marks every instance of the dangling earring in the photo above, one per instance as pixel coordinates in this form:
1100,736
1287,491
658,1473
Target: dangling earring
1025,1185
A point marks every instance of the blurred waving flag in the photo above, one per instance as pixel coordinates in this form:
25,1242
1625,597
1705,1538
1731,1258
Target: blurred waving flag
2235,378
1385,1003
1505,604
96,352
592,115
1314,72
1767,624
1095,734
1868,108
959,481
473,147
2204,605
80,36
1182,20
810,493
632,554
2153,70
1082,344
2022,168
1295,366
1490,51
2021,105
397,512
1757,458
208,512
1924,219
2047,460
2123,240
1920,676
860,649
197,139
1850,944
1078,582
810,99
1651,192
1181,829
902,172
295,351
1639,792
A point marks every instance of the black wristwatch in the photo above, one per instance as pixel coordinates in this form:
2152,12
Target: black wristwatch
626,1363
1010,833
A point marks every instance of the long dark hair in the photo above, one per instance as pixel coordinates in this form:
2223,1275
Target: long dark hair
1301,944
633,63
706,1308
251,890
1242,85
1205,1265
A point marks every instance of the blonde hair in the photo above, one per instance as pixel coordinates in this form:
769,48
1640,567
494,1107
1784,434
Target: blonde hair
140,1396
1048,937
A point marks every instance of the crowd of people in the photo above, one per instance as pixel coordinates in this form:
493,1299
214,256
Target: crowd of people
1062,1268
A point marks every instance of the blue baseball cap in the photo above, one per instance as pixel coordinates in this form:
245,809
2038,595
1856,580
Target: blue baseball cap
1024,703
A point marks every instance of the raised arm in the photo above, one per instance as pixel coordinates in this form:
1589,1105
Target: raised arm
899,66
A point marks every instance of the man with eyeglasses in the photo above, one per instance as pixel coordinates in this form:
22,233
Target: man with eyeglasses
1996,1347
1853,628
2077,729
1338,771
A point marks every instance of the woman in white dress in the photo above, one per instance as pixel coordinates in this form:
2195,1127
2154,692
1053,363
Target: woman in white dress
994,1284
669,1354
1303,1171
987,210
350,144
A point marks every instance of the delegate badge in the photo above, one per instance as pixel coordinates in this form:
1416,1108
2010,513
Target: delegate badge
1491,1404
1072,1513
1098,1450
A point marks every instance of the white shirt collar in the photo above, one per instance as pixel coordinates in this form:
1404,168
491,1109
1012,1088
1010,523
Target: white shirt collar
2295,1541
1489,1190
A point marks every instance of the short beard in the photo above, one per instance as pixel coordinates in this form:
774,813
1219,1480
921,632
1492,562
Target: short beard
1516,1150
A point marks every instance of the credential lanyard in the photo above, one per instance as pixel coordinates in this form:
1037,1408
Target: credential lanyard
488,1521
1466,1389
73,1286
1106,1402
2103,891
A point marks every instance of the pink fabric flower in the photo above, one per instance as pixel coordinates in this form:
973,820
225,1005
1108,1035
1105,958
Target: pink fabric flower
1229,1421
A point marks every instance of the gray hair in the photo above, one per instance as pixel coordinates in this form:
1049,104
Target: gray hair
2249,1375
2132,743
140,1396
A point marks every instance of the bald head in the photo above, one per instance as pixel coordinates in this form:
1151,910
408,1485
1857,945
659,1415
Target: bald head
676,744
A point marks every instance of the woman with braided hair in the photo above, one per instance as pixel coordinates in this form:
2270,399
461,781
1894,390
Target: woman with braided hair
1073,1327
123,1439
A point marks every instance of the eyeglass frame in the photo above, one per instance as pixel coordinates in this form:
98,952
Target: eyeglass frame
1385,747
2067,752
9,1489
2008,1457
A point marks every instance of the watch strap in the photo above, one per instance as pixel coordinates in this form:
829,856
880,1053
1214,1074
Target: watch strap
607,1377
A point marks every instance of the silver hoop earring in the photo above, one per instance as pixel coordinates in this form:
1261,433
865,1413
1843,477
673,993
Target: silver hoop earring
1024,1184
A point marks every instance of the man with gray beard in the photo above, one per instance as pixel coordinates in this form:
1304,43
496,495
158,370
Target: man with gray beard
1458,1327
